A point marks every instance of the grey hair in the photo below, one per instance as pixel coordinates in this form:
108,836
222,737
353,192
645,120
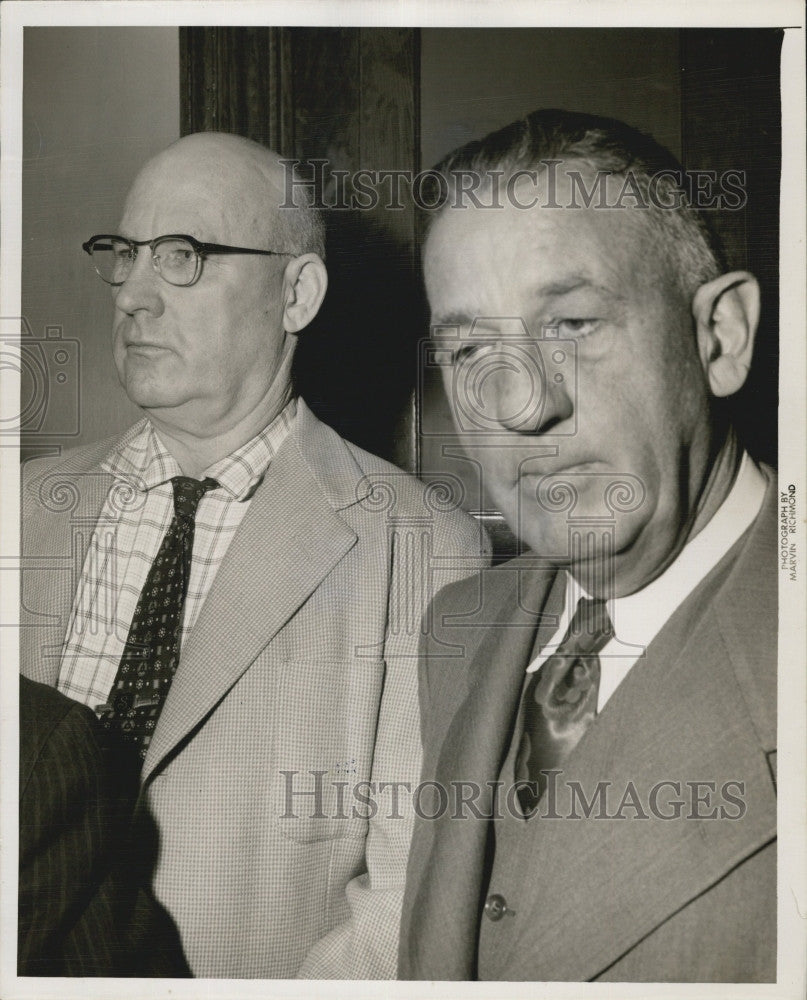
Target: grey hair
682,233
300,229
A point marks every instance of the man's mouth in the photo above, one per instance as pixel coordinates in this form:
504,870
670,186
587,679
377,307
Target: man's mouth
146,349
557,468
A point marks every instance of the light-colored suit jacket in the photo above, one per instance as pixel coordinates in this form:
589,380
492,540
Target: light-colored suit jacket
298,681
629,899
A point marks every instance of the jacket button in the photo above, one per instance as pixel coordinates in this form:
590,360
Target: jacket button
495,906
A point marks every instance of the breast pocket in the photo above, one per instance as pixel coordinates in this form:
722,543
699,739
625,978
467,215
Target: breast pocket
325,722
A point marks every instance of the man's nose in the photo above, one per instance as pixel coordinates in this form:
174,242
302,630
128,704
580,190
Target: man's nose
523,393
142,289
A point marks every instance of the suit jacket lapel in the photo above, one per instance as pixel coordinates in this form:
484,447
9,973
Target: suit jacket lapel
290,539
747,615
445,908
682,716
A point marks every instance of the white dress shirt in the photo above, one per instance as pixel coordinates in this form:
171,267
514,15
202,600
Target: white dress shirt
639,617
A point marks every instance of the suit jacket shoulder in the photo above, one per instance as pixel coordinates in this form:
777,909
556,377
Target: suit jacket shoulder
43,709
53,484
349,475
80,459
506,602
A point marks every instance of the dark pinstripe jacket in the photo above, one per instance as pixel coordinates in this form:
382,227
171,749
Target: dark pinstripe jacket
81,912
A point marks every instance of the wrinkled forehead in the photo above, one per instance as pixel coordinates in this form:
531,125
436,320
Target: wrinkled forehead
530,237
214,195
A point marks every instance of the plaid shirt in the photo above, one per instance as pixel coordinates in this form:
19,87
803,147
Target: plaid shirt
130,529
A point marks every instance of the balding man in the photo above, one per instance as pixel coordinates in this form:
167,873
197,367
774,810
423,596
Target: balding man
231,605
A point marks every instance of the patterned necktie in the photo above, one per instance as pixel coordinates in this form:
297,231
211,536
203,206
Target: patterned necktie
151,654
560,699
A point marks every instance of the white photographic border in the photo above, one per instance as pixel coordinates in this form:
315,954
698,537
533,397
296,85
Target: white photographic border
792,777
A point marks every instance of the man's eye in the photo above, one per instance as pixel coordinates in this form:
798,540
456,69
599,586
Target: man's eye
175,258
471,350
576,327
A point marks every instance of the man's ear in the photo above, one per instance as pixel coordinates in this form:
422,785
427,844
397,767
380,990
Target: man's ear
305,282
726,313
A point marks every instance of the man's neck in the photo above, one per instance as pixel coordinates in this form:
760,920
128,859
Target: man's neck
618,580
195,453
717,484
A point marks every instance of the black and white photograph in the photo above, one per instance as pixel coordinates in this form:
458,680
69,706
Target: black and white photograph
403,533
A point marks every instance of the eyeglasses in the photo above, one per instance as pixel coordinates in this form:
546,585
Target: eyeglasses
177,259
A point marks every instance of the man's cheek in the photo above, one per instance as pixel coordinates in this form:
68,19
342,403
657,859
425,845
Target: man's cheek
499,485
447,382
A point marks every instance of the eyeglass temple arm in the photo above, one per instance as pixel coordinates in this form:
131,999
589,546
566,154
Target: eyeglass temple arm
219,248
196,244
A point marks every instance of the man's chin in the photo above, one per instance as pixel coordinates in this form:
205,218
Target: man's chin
151,396
577,540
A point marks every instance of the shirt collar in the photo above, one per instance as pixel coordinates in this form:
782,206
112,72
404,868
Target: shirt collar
143,461
140,459
241,472
639,617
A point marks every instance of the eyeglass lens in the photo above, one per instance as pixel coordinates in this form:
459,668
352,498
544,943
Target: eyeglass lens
176,260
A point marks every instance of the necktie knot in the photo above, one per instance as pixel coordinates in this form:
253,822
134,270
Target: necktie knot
590,628
187,494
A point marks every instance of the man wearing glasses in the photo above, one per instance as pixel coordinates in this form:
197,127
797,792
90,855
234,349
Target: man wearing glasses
229,616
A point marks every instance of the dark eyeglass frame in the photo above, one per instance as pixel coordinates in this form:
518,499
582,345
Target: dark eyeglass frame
201,250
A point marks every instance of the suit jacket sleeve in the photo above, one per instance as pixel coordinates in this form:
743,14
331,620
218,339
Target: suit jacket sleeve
76,915
64,927
364,945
